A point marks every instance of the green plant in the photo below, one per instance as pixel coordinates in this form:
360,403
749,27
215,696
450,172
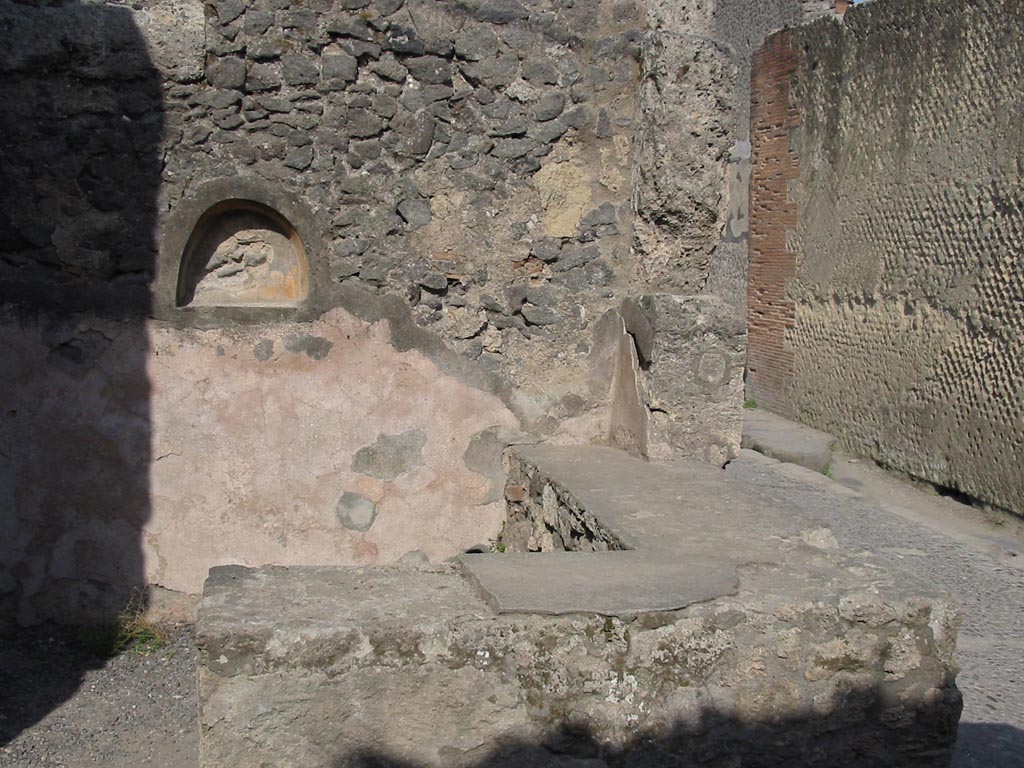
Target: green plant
130,631
750,404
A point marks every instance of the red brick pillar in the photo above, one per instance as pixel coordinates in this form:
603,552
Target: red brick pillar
772,214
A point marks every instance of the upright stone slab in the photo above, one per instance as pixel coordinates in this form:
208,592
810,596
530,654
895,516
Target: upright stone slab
687,361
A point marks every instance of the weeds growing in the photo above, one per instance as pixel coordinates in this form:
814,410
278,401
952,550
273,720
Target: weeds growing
130,632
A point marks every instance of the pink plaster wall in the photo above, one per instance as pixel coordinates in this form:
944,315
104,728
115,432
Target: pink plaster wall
176,450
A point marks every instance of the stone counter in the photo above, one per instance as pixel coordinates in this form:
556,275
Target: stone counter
785,650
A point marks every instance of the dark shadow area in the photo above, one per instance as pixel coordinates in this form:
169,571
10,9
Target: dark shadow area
989,745
40,668
80,163
857,732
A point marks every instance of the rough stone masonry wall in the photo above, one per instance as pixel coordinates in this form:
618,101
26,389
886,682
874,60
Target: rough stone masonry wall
544,517
692,34
906,332
458,176
470,158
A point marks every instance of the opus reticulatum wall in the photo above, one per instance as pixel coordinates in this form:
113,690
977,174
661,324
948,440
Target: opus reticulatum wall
892,291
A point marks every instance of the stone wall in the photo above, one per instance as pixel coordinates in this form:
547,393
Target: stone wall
904,333
543,517
235,224
473,159
693,39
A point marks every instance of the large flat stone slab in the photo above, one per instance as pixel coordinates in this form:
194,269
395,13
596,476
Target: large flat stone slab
671,507
685,528
606,583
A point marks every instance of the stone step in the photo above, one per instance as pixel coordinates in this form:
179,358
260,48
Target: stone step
786,440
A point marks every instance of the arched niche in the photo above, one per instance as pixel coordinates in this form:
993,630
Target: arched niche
242,253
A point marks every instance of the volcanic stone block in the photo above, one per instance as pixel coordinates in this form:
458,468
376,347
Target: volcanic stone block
429,69
226,72
329,667
341,66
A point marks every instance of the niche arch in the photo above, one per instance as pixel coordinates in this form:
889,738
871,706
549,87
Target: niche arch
238,250
242,253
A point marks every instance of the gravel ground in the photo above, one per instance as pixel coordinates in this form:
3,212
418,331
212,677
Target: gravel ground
61,707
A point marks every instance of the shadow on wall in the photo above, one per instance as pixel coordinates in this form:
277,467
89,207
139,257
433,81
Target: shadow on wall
836,739
80,167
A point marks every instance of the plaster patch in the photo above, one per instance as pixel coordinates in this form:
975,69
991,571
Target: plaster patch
565,196
391,455
263,350
314,347
356,512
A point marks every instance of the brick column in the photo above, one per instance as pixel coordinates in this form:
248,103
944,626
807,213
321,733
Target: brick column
772,214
